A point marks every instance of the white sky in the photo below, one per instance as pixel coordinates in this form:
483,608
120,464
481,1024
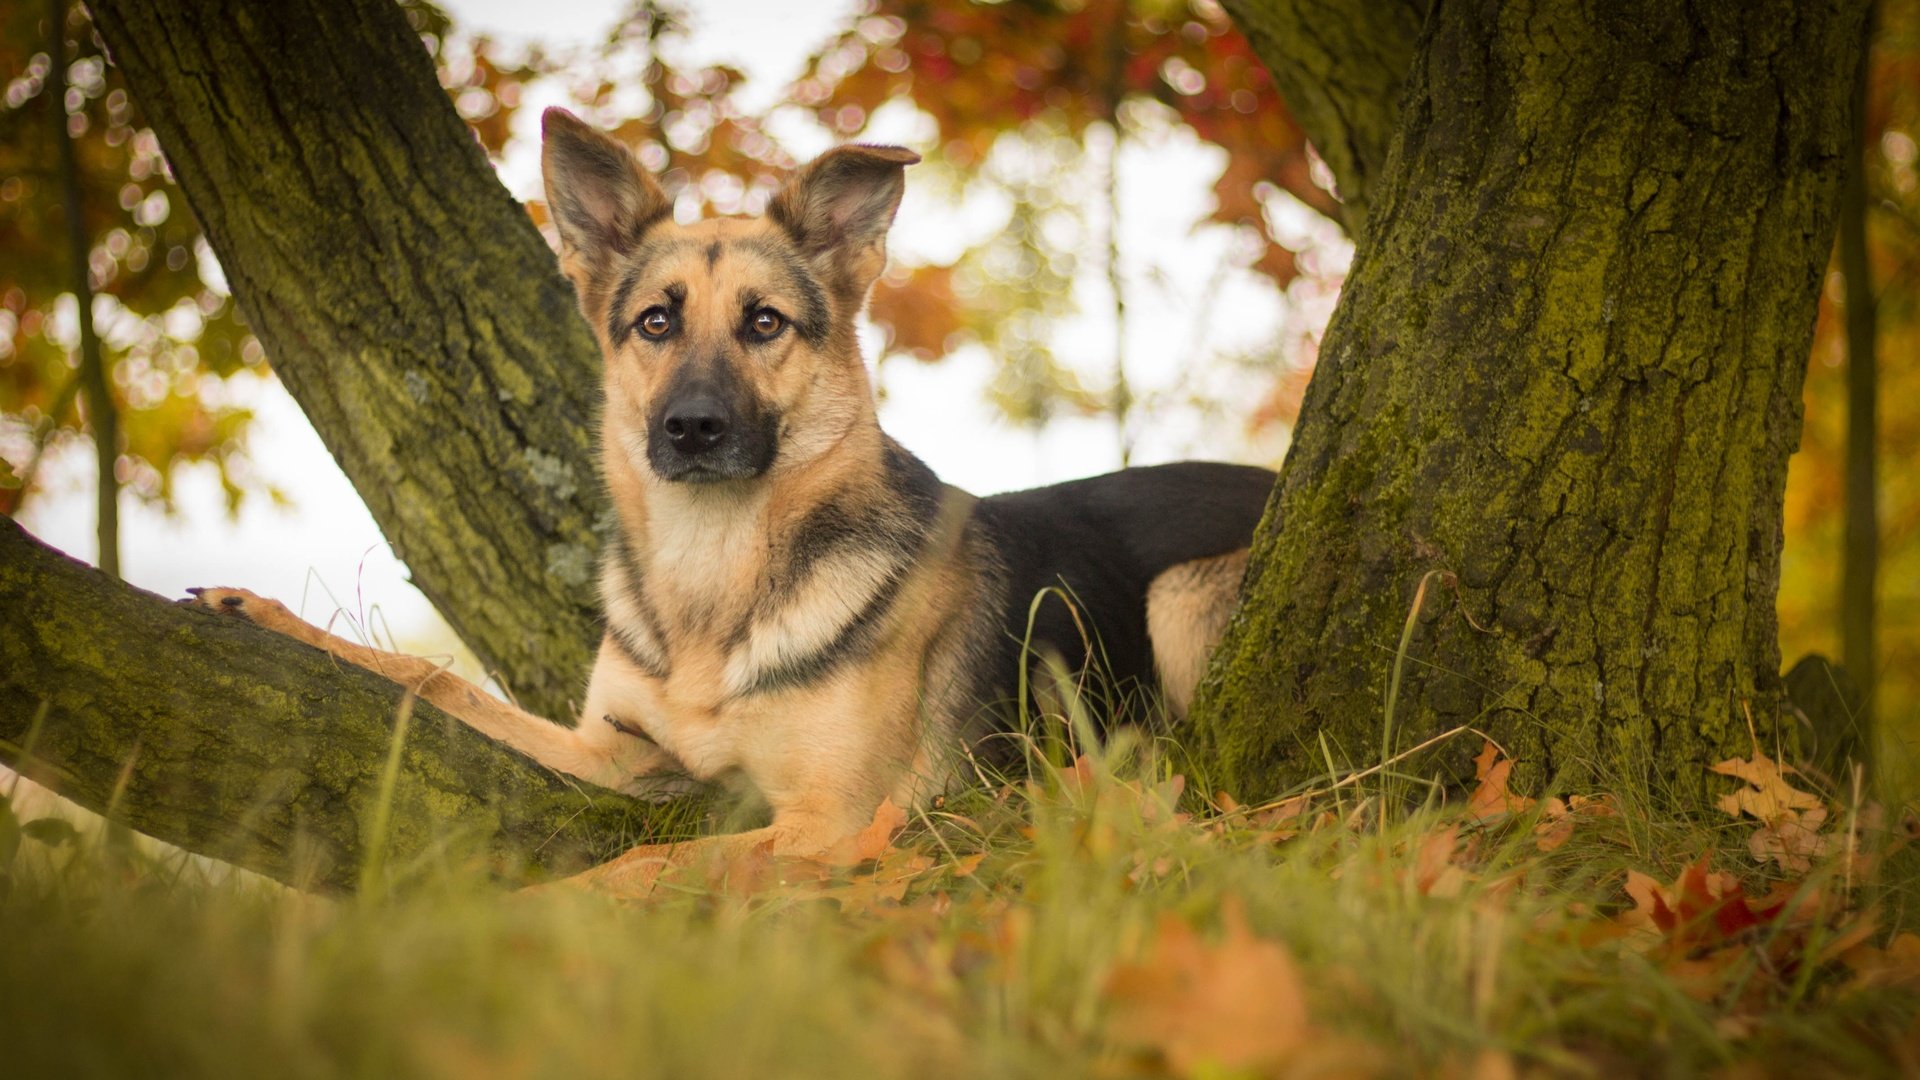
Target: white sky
326,549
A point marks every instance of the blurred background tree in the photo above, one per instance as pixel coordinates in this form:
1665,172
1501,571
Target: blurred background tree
168,332
168,335
1812,613
1036,101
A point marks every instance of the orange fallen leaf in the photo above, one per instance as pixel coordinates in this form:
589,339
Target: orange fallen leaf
1434,872
1898,964
1239,1005
1286,819
863,894
1559,818
1701,908
1490,798
1767,795
871,842
1079,776
1852,935
1792,842
744,872
1790,819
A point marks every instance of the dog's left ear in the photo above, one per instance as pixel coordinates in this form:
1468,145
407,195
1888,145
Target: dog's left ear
600,197
838,209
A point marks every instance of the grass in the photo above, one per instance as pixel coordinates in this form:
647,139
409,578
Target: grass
1034,930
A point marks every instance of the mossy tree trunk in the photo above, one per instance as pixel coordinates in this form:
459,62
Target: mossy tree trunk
1566,374
231,741
403,297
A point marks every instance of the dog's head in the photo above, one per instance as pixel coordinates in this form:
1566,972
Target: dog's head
729,343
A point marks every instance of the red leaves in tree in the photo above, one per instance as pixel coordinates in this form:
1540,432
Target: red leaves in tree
918,309
983,69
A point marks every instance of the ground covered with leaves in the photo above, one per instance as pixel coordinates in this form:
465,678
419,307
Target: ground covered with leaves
1097,920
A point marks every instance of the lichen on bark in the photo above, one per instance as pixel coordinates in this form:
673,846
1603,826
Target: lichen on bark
1565,372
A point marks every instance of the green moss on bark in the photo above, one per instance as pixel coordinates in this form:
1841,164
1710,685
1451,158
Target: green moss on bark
403,297
251,747
1566,370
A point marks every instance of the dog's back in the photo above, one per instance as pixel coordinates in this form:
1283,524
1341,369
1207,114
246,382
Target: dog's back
1144,565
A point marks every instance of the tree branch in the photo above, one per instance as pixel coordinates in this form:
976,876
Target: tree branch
241,744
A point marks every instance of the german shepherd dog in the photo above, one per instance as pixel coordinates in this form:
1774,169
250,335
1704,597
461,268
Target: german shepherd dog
792,598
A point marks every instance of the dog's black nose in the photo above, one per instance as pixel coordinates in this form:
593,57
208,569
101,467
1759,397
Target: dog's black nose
697,423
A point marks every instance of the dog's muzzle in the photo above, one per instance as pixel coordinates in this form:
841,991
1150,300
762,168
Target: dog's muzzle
703,435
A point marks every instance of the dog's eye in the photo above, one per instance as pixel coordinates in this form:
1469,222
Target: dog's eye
767,322
656,322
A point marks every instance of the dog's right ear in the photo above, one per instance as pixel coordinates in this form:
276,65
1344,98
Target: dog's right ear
600,197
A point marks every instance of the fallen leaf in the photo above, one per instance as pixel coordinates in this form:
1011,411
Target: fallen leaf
871,842
744,872
1559,818
1491,799
1898,964
1792,843
1237,1006
863,894
1701,908
1852,935
1767,795
1790,819
1434,872
1283,820
1079,776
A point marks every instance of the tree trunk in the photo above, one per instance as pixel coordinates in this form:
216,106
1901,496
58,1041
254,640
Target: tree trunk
1339,65
1565,373
403,297
96,389
1860,550
234,742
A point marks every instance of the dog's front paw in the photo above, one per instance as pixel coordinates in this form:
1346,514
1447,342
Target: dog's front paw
241,604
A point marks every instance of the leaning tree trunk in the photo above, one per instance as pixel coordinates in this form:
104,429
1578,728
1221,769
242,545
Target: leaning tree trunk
403,297
234,742
1565,374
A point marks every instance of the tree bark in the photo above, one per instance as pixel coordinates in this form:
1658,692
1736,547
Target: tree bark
1565,374
1340,66
234,742
403,297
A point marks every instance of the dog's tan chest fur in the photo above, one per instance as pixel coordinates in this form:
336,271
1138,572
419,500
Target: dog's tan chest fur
693,593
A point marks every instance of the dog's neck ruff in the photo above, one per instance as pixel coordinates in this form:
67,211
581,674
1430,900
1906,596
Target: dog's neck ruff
787,589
